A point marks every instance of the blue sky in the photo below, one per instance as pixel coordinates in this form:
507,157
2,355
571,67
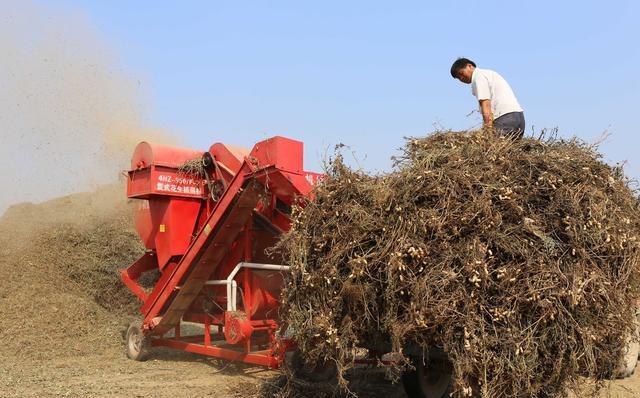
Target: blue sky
367,73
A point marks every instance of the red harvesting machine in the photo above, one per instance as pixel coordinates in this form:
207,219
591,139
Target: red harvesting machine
207,235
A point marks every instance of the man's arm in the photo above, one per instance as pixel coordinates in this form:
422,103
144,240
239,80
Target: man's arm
487,114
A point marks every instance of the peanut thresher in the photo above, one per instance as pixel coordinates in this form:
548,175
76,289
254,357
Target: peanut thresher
206,234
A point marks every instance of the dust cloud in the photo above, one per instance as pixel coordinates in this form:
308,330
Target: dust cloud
70,116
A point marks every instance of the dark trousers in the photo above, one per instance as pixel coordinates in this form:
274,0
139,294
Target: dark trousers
510,124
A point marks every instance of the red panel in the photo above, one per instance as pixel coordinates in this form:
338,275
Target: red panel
230,156
283,153
172,222
266,287
139,183
154,170
166,181
286,186
129,276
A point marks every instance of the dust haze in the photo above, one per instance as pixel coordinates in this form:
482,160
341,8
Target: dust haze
70,116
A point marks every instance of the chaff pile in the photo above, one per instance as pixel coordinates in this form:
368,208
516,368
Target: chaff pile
59,263
519,259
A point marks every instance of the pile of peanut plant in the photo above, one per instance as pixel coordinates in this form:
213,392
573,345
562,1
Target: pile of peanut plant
519,259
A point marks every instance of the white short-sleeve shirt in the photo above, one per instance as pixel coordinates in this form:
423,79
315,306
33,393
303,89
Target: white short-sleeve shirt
487,84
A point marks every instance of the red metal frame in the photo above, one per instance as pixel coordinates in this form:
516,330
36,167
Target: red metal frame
236,226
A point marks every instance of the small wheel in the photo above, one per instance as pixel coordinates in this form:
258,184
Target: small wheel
320,373
631,353
430,379
138,345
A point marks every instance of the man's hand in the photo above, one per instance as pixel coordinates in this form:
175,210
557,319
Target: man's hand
487,115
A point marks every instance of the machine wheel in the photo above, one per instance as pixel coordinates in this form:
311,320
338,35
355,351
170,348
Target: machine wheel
138,346
320,373
632,351
431,379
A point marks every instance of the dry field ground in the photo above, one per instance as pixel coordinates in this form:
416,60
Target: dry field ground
176,374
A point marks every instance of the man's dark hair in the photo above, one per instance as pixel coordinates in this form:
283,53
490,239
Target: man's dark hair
460,63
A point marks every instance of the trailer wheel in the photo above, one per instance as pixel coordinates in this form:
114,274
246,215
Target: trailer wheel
431,378
138,346
632,351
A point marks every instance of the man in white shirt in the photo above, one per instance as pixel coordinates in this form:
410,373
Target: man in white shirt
499,107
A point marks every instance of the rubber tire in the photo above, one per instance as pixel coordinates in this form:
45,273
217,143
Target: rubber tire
321,373
632,351
417,382
137,344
